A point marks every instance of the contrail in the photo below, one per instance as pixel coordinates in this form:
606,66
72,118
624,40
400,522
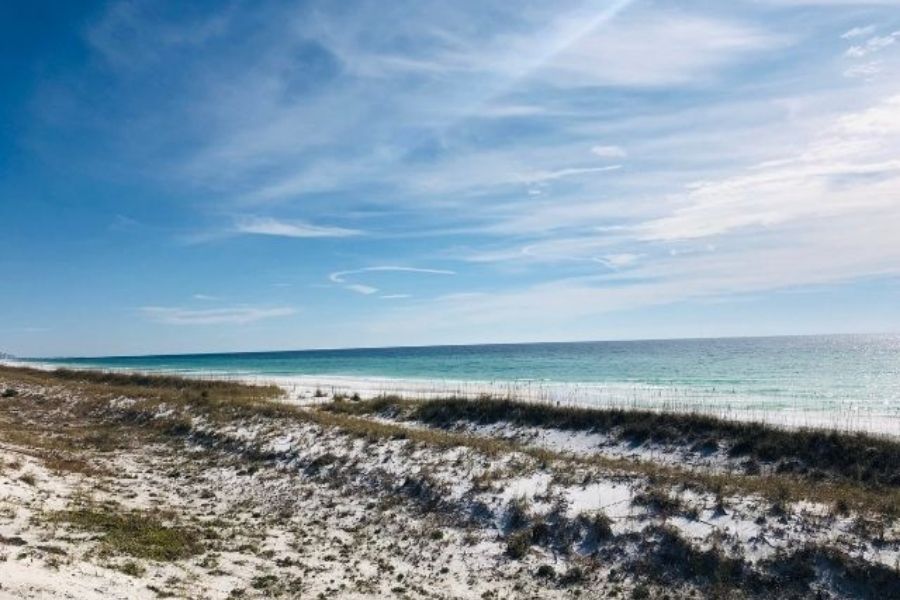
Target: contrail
574,31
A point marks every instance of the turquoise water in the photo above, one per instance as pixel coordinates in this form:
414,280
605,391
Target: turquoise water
810,371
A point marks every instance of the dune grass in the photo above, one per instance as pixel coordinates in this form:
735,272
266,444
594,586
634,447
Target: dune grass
95,419
817,454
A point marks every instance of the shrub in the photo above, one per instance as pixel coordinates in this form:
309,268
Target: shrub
640,592
599,527
517,544
572,576
545,572
517,515
132,568
263,582
659,501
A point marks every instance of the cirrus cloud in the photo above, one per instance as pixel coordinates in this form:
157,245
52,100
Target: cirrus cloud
216,316
294,229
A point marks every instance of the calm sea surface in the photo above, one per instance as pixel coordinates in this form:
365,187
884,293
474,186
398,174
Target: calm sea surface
814,371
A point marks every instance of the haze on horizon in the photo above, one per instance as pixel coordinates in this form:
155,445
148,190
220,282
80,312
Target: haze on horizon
240,176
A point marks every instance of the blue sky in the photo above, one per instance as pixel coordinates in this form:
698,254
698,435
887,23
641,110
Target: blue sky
278,175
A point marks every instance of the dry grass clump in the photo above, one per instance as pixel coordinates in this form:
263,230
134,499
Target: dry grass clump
598,527
659,500
220,399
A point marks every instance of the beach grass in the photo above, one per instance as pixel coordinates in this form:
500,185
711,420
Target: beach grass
814,453
861,476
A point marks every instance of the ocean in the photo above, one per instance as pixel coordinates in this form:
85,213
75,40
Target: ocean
846,381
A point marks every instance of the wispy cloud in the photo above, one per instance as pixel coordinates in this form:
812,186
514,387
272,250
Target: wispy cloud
853,167
268,145
294,229
658,49
858,32
367,290
340,276
619,261
873,45
359,288
541,176
235,315
608,151
868,70
825,214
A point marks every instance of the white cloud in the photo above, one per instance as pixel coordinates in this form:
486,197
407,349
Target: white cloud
656,48
853,167
541,176
236,315
339,276
872,45
858,32
204,297
619,261
368,290
394,296
867,71
359,288
295,229
609,151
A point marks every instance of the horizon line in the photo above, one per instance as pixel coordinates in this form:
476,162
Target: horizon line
460,345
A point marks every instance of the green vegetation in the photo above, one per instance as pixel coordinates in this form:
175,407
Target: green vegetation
140,534
132,568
